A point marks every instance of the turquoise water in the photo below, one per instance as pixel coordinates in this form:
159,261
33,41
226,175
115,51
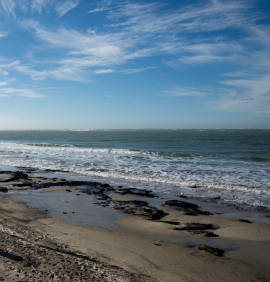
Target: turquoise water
231,164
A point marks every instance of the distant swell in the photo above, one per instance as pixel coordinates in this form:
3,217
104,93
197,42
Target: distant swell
258,159
49,145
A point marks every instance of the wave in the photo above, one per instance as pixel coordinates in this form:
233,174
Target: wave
176,155
258,159
49,145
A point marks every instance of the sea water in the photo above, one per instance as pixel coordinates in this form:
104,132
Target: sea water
231,164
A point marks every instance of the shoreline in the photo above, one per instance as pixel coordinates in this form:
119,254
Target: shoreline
144,243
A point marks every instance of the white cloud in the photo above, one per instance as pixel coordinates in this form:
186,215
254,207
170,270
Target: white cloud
20,92
8,6
184,92
251,94
97,10
139,30
215,15
66,6
3,34
255,87
38,5
262,112
108,96
131,71
87,50
208,52
30,94
134,105
234,103
102,71
3,83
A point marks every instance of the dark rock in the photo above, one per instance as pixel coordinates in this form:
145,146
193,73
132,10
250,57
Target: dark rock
204,212
3,189
135,191
170,222
97,191
28,183
191,213
209,234
180,204
105,185
244,220
148,212
180,195
18,185
194,186
68,190
16,176
197,226
71,183
134,202
157,244
211,250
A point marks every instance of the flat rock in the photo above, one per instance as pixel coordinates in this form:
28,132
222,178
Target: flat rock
134,202
180,204
135,191
3,189
197,226
148,212
211,250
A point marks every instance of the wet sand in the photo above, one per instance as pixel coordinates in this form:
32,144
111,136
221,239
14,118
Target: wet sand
136,243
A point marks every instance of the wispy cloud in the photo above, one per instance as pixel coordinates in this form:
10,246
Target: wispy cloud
103,71
251,94
87,50
183,92
8,6
182,36
134,105
65,7
3,34
3,83
20,92
259,86
131,71
139,30
38,5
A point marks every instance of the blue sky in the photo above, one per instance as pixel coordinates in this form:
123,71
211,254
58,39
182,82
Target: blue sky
80,64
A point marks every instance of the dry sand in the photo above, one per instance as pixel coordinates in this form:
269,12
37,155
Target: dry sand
36,247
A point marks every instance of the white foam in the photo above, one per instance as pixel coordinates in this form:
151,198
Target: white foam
229,178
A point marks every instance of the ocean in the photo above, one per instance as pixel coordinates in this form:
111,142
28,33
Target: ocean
227,163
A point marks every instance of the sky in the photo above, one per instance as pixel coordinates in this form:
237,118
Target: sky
82,64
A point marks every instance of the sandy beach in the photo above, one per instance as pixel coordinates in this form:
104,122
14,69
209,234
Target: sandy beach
134,236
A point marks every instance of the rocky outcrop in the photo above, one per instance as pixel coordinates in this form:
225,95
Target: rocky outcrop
211,250
180,204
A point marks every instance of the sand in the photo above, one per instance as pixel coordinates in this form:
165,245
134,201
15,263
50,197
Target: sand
39,245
